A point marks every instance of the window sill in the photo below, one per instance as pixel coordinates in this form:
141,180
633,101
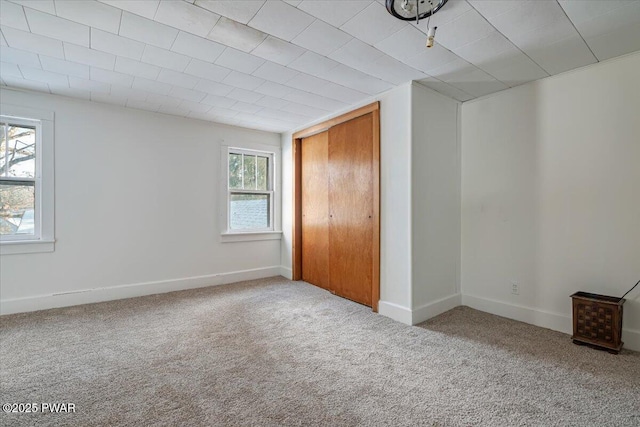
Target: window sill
250,236
26,246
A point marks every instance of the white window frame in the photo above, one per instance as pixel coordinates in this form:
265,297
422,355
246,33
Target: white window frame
270,233
43,238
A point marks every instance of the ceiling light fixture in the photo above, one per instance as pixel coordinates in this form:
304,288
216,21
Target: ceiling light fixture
410,10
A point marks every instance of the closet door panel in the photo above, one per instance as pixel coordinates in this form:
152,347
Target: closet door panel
315,210
351,209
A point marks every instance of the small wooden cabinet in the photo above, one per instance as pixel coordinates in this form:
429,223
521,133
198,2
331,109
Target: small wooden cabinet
597,320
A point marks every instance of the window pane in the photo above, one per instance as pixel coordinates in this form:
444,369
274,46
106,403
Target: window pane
21,151
3,150
249,172
249,211
17,204
263,173
235,171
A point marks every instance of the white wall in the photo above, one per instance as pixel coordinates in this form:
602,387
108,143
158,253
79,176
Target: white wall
137,202
435,196
395,201
551,195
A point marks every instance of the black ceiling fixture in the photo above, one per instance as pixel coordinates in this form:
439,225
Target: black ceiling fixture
414,10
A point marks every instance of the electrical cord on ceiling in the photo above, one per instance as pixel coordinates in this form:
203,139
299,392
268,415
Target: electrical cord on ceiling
634,286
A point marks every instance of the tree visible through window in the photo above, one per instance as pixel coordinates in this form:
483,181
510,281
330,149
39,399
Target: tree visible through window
250,190
17,179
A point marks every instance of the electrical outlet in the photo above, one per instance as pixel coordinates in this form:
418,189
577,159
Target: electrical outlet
515,289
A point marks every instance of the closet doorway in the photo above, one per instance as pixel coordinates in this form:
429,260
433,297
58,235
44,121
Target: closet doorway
336,227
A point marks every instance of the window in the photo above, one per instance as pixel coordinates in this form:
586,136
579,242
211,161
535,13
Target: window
26,180
250,191
18,182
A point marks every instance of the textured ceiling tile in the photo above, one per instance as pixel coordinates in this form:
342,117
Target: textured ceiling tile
404,44
178,79
620,14
468,27
328,12
64,67
33,42
43,76
25,84
617,42
218,101
527,17
492,8
20,57
244,95
236,35
450,68
278,51
305,110
213,88
373,24
187,94
356,54
240,11
562,55
8,69
120,46
57,28
197,47
111,77
137,68
346,76
313,100
513,68
145,8
147,31
434,57
486,48
207,71
91,13
344,94
94,58
271,102
245,107
13,16
239,61
314,64
41,5
394,71
274,89
154,86
195,106
186,17
90,85
280,20
322,38
164,58
275,72
242,80
308,83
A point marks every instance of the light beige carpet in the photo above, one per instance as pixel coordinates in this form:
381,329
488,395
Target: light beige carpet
274,352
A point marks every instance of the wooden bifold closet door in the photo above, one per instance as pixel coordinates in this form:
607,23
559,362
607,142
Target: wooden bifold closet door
337,180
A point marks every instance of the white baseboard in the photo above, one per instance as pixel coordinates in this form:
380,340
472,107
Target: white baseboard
87,296
396,312
435,308
286,272
545,319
